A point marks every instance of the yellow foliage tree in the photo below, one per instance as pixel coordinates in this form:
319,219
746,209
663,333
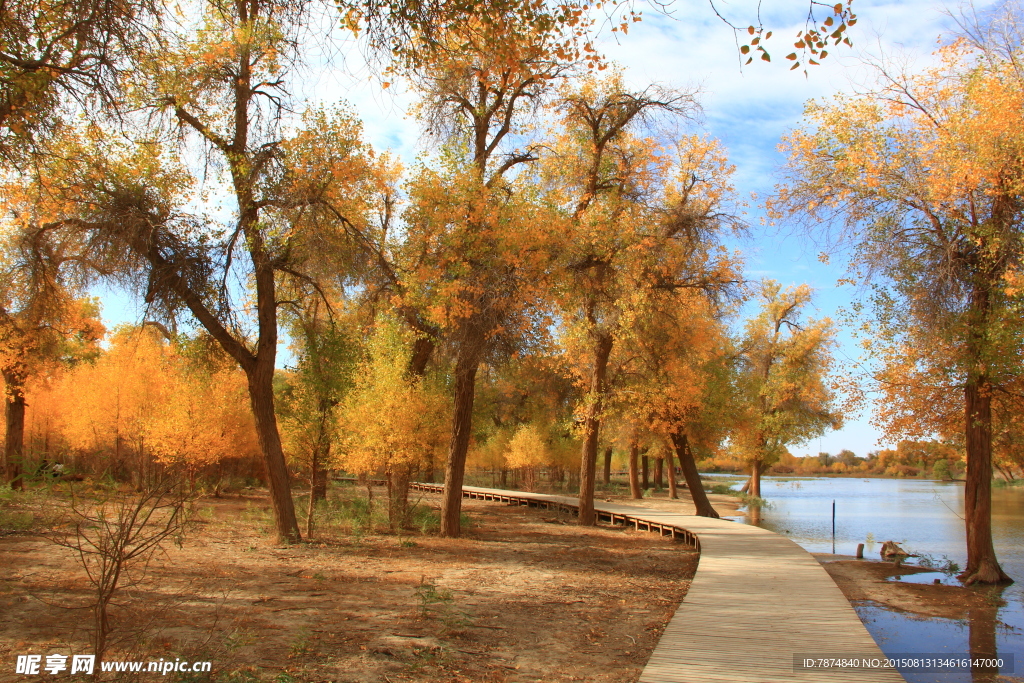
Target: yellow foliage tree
390,419
528,450
782,386
143,407
642,227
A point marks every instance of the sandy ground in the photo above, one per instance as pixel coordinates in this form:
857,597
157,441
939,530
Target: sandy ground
525,596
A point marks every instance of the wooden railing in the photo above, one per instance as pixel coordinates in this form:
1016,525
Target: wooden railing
564,504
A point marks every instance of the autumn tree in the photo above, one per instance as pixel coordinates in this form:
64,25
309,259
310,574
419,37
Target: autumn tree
528,450
925,176
678,393
149,403
472,215
391,419
524,390
782,383
604,172
42,326
203,420
56,53
219,85
117,397
641,229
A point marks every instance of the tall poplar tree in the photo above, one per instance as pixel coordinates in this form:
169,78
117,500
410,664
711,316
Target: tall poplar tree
472,215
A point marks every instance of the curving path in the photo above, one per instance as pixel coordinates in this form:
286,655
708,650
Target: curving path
757,602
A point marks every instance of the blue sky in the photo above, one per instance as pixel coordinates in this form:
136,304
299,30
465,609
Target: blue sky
749,109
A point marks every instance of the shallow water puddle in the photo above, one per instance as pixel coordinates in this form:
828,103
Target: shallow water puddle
935,578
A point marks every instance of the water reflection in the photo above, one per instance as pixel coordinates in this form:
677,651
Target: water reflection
980,635
753,515
935,578
982,643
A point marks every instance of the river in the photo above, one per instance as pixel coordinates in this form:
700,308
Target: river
925,518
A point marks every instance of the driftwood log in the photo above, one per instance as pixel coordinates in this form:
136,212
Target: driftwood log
891,551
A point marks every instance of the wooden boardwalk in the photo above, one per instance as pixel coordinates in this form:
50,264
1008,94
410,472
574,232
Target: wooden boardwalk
758,600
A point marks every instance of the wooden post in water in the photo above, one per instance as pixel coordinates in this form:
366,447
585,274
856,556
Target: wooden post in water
860,551
833,526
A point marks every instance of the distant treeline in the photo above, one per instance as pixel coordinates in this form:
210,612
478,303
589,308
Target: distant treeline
925,459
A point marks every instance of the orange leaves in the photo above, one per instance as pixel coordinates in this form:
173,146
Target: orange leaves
916,139
923,173
638,253
141,397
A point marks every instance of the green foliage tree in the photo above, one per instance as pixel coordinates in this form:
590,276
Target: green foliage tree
782,379
327,350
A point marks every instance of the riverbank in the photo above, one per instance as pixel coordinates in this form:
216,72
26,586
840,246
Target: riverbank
862,580
905,612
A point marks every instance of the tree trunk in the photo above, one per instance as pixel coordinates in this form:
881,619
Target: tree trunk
634,475
14,444
592,428
462,427
101,626
608,466
530,478
754,484
311,508
422,350
428,474
318,488
317,483
261,397
689,466
645,472
670,466
982,565
398,497
659,468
